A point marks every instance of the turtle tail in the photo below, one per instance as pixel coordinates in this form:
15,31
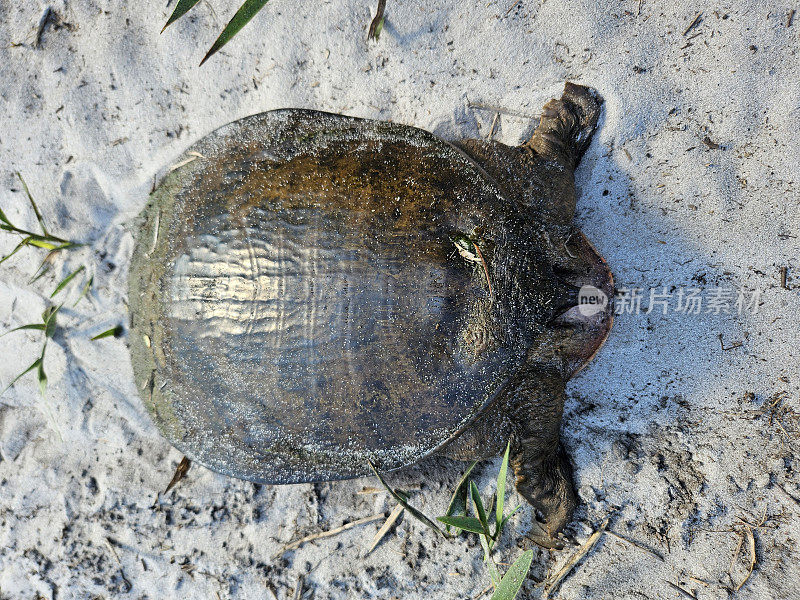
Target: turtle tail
567,124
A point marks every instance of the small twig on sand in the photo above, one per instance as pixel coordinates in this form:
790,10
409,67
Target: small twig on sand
678,588
323,534
386,527
377,23
552,583
790,18
747,539
502,111
192,156
731,347
493,127
788,495
43,22
513,6
379,490
636,545
693,24
750,538
784,277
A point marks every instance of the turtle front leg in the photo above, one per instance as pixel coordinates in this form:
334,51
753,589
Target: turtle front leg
567,124
541,466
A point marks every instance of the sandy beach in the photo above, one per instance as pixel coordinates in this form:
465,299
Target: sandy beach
684,430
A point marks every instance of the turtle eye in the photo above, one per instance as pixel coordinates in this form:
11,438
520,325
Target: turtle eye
471,252
467,248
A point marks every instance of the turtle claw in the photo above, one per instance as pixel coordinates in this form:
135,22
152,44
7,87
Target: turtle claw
546,483
541,537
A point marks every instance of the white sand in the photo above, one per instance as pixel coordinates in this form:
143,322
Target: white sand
661,427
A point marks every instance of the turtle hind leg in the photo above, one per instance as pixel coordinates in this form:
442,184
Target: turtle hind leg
541,467
567,124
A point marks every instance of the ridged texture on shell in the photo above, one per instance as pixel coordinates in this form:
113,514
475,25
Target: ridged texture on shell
298,306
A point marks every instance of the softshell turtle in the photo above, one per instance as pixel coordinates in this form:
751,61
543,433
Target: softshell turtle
310,292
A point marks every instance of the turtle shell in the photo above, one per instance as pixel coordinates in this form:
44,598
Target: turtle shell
300,302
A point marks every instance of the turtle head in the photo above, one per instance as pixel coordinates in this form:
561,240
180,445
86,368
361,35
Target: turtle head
553,295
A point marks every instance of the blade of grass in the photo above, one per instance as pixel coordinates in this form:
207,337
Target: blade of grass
494,574
4,219
26,371
376,25
49,319
501,492
49,244
506,518
479,509
86,287
115,331
378,28
66,280
514,578
402,501
40,375
247,11
33,204
181,9
37,326
13,252
43,269
470,524
458,503
384,529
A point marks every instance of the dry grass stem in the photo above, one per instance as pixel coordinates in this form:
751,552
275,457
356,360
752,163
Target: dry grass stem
180,473
502,111
682,591
387,525
636,545
551,584
323,534
193,156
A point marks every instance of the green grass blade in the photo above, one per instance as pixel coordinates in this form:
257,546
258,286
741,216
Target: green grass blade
37,326
86,287
26,371
494,574
501,492
49,318
33,204
470,524
65,245
13,252
43,270
5,220
114,331
247,11
40,375
458,503
506,518
514,578
417,514
181,9
41,243
479,509
65,282
376,26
